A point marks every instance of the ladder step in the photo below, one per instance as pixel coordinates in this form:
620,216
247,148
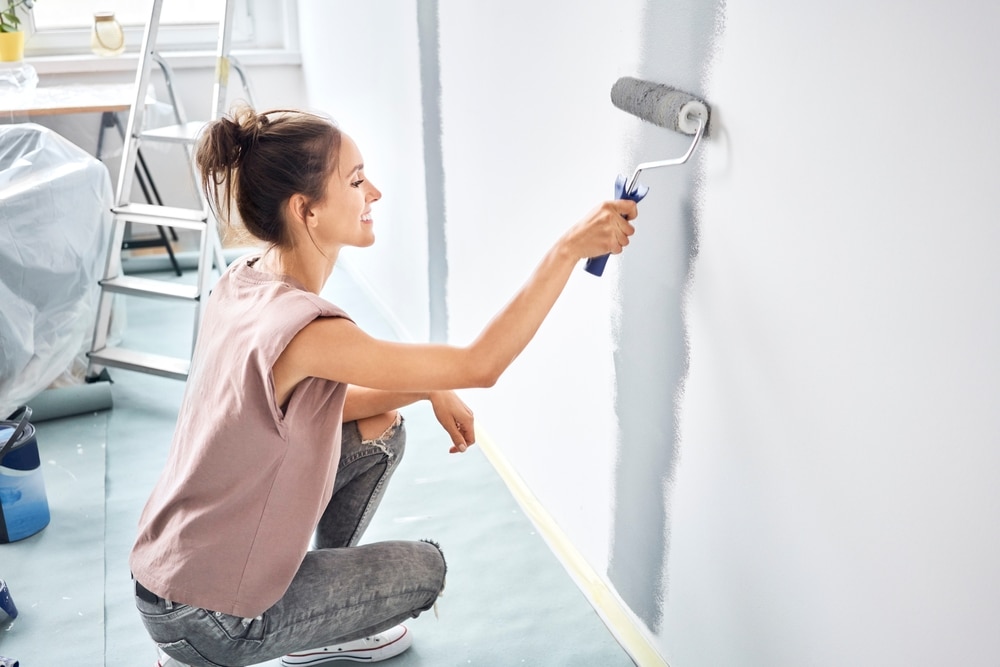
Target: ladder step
143,362
162,216
176,134
152,288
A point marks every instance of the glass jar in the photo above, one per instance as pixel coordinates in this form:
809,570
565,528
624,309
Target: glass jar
107,38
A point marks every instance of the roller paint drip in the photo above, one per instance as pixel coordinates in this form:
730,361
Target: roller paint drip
664,106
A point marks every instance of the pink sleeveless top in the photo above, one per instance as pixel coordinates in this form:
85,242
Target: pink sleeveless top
232,515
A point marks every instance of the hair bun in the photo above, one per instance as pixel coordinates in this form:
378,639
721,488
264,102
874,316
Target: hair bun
247,128
256,161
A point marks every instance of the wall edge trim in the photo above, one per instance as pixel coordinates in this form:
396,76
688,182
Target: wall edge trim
608,605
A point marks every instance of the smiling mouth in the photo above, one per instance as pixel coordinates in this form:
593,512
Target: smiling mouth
367,218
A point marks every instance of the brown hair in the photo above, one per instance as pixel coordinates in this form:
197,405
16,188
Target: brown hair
258,161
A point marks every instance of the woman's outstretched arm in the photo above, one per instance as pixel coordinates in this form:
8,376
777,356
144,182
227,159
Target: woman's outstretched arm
336,349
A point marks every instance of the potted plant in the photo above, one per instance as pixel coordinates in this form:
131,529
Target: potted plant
11,37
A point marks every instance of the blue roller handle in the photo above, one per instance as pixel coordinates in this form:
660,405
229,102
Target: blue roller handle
595,265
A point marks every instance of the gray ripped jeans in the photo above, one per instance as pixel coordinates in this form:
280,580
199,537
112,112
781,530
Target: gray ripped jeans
340,593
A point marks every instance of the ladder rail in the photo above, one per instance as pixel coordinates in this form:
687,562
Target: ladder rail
125,212
168,82
181,118
222,62
104,307
137,111
237,67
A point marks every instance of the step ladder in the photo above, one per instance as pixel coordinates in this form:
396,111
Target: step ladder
127,213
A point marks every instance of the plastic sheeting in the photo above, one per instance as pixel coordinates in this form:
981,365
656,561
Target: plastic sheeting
55,225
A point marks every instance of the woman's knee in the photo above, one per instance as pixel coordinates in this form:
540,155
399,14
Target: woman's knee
435,569
434,557
379,427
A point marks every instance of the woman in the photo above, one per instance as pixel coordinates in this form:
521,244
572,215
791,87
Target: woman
288,430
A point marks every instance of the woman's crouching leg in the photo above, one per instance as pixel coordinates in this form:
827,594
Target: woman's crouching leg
340,595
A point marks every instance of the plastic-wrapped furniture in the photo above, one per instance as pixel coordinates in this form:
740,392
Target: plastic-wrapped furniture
55,222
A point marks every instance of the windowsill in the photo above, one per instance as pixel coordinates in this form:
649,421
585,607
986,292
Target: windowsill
75,64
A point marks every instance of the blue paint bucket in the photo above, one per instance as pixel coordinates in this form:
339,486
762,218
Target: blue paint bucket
8,610
24,509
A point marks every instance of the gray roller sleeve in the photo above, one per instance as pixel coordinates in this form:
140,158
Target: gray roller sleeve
659,104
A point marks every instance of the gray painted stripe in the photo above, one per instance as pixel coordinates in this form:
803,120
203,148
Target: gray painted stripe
437,249
651,358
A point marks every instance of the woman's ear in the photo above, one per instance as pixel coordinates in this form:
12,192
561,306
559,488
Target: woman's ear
298,207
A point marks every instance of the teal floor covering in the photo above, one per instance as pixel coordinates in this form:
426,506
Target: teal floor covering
508,600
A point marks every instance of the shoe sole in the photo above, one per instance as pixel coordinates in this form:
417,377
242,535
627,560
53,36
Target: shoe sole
308,659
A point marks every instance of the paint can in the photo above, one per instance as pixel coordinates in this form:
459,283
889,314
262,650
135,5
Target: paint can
24,508
8,611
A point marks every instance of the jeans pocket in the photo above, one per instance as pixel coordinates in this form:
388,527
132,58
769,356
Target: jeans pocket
166,625
236,628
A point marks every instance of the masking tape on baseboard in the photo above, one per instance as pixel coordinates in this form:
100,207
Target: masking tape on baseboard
605,602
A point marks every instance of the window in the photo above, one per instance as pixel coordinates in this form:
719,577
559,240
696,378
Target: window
62,27
62,14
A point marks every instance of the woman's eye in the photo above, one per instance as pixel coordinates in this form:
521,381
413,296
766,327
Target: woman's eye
357,183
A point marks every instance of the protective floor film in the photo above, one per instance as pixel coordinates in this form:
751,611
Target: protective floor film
508,601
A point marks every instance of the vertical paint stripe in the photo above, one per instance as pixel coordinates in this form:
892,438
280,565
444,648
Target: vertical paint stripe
430,87
651,351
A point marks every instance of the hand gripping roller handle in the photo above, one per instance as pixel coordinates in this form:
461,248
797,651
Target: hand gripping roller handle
663,106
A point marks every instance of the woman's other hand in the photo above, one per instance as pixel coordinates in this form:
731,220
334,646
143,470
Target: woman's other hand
456,418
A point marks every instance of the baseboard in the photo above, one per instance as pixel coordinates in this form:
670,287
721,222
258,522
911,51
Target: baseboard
605,601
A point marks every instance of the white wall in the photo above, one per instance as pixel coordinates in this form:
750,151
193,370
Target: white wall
531,144
361,65
835,500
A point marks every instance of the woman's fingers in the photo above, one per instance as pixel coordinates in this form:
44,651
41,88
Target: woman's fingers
605,230
626,208
617,219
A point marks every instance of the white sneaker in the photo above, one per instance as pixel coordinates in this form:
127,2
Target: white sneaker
378,647
164,660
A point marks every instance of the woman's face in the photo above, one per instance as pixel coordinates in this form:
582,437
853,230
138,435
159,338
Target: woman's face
344,216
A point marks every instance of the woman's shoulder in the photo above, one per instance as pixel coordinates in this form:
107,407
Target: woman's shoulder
268,292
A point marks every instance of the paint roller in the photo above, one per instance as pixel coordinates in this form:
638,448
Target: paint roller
661,105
